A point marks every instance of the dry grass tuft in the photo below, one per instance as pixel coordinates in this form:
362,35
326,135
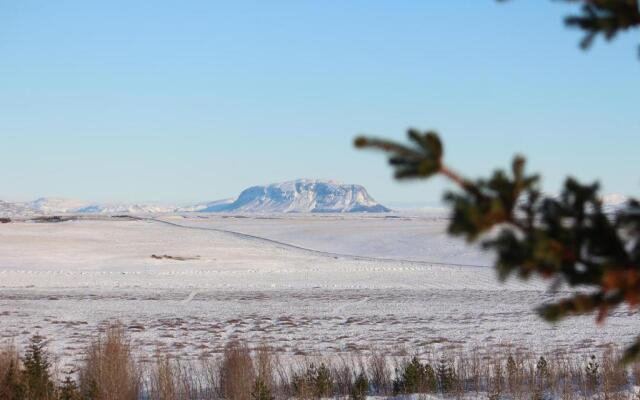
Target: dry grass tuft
110,371
237,373
10,366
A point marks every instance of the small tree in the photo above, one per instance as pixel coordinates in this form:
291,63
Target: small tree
360,387
315,382
415,377
446,375
322,381
36,376
496,379
69,390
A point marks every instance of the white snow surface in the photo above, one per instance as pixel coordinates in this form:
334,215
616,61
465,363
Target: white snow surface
305,283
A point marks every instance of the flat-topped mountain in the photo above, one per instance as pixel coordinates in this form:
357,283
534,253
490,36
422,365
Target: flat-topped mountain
302,195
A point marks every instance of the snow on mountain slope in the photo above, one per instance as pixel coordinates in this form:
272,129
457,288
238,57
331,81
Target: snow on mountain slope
303,195
124,208
49,205
41,206
13,210
203,206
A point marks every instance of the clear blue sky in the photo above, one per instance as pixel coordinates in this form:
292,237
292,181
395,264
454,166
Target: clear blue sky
178,101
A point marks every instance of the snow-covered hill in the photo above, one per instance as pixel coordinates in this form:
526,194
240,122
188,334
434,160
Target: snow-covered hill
55,205
12,210
124,208
51,206
303,195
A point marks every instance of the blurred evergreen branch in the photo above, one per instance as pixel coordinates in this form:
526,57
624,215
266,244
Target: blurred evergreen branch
570,238
603,17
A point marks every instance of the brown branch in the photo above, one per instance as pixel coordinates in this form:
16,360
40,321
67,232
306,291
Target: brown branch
463,183
453,176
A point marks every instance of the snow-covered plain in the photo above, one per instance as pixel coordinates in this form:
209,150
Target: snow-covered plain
303,283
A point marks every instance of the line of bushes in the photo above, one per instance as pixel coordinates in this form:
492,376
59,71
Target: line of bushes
111,370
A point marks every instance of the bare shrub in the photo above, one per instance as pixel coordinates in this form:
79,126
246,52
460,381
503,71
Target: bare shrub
266,362
496,378
162,380
343,371
237,373
474,372
189,380
173,379
109,371
209,369
614,374
635,373
379,373
10,366
565,386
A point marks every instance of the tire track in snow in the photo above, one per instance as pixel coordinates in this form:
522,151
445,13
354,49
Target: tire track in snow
190,297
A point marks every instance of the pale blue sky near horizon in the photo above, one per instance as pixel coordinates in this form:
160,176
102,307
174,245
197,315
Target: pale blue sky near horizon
175,101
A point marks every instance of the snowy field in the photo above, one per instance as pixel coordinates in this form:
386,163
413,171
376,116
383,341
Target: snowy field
305,284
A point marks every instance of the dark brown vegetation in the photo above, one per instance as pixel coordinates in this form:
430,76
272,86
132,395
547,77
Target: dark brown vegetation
176,258
52,219
110,368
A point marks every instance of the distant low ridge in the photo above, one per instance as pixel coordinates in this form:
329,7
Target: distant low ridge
299,196
302,196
